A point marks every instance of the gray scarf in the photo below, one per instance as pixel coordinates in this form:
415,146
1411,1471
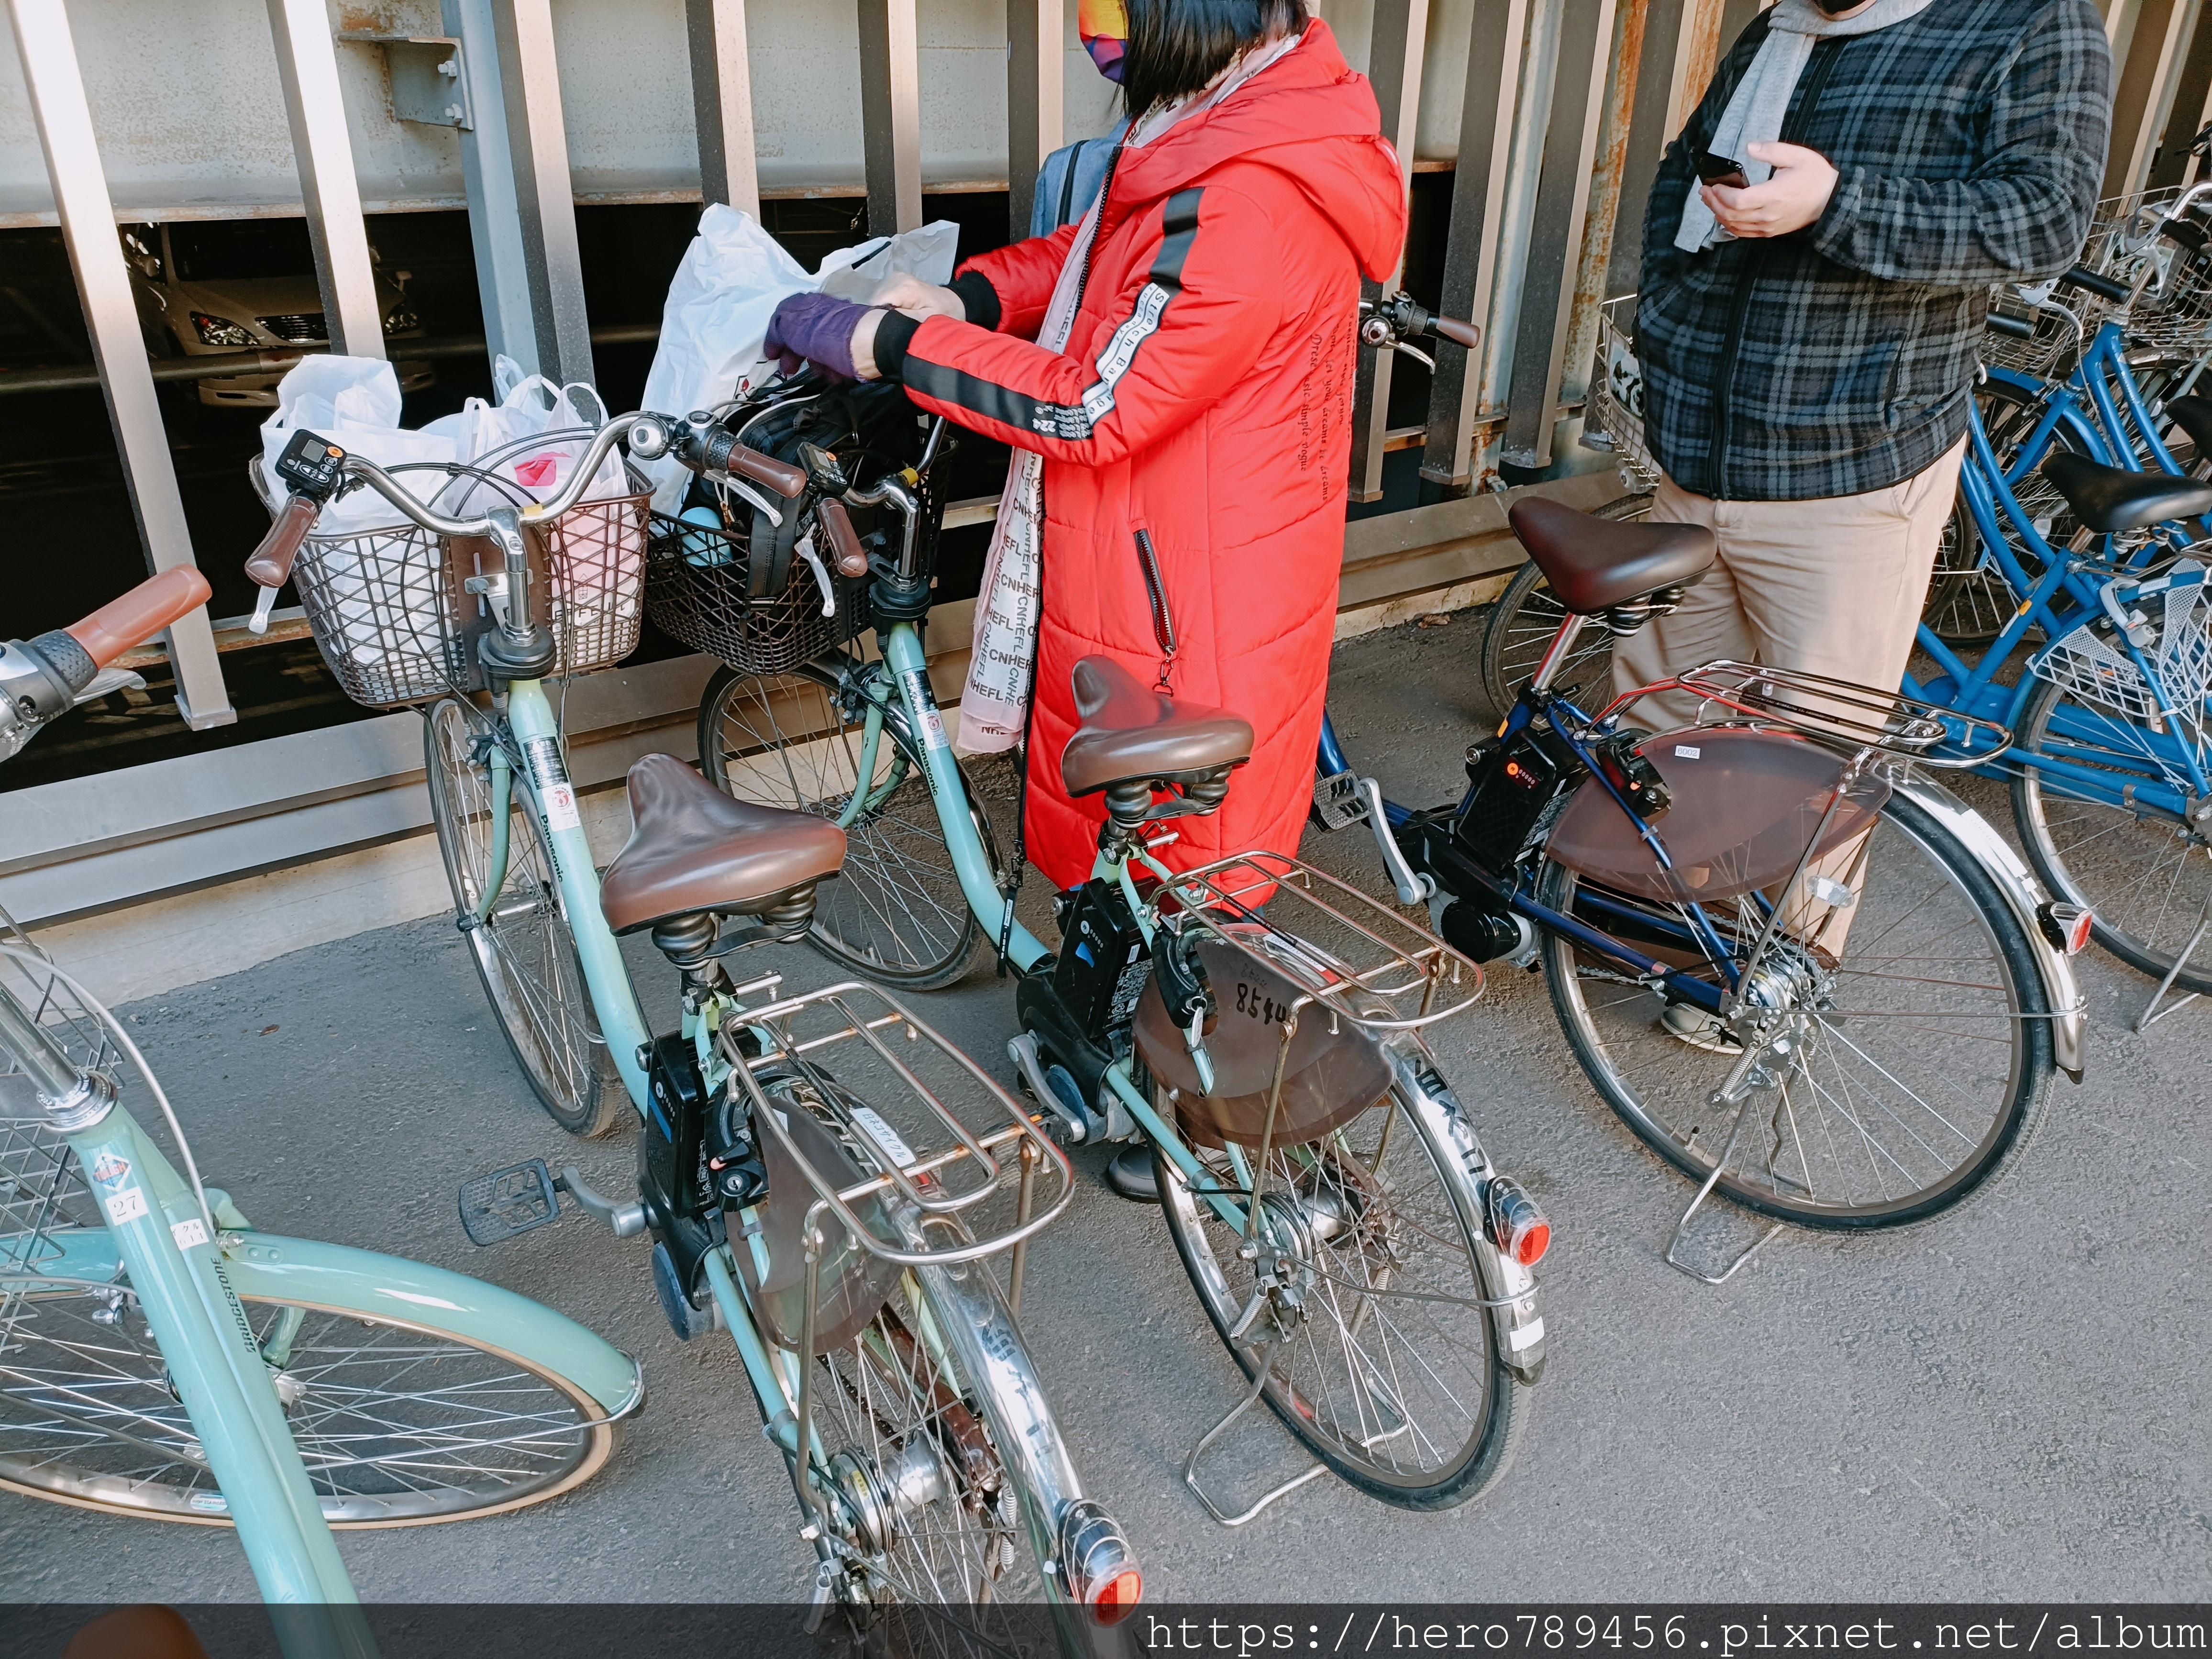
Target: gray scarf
1754,114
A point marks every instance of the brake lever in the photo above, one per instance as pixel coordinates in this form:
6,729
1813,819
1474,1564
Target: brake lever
727,481
804,549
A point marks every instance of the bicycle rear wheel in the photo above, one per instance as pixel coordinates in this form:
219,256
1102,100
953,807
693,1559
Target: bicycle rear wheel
1526,617
523,949
929,1421
399,1424
1389,1372
1923,1068
2143,871
897,912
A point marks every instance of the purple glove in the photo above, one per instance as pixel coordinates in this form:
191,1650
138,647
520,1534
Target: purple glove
818,328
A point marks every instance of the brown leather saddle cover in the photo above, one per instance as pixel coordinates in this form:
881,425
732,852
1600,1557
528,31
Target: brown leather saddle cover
1129,731
691,848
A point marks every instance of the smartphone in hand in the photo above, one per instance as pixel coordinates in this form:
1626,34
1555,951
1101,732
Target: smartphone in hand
1720,170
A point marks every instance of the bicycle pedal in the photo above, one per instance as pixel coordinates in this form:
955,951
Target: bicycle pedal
497,1206
1338,801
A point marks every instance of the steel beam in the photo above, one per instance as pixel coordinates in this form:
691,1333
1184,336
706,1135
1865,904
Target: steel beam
2192,108
2148,67
1547,292
1035,77
322,150
722,103
48,55
544,198
1393,68
890,114
1668,27
1471,244
488,175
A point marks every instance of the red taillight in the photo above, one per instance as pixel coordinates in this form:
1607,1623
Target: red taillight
1101,1568
1517,1225
1528,1248
1117,1598
2066,925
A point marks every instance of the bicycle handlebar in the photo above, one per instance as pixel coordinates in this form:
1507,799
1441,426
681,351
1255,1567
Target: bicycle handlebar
130,619
2089,282
269,565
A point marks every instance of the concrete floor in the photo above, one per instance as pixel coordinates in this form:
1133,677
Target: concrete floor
2011,1404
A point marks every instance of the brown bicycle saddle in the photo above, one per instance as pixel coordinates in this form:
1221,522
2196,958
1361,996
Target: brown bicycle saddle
1130,732
692,848
1593,564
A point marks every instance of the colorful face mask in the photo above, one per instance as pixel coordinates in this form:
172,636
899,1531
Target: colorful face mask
1103,26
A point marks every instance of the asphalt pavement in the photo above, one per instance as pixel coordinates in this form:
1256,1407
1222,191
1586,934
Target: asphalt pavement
2011,1403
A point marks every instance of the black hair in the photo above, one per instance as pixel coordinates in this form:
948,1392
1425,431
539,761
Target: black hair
1176,46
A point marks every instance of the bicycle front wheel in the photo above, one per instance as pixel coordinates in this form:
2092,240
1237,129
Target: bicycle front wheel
1386,1366
2142,869
398,1425
521,943
1923,1063
1526,617
897,912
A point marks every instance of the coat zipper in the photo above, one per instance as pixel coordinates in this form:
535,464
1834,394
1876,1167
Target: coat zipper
1155,591
1090,248
1739,307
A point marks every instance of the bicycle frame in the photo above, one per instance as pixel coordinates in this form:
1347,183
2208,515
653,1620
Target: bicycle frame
157,1228
2078,582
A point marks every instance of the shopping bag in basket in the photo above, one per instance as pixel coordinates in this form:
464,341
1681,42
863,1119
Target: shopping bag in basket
355,403
730,282
376,592
506,441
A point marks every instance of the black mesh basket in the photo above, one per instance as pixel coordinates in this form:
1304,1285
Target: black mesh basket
696,592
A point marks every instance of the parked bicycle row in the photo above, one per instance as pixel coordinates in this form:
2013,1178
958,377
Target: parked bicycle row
1803,972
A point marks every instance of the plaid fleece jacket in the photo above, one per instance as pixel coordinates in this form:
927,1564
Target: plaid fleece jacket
1969,142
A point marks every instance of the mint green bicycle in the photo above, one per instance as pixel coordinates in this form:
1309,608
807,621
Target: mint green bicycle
160,1358
835,1224
1365,1262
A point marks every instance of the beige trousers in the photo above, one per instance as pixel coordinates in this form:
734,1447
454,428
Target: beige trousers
1832,587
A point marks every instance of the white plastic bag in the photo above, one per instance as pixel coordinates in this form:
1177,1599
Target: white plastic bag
497,437
731,281
355,403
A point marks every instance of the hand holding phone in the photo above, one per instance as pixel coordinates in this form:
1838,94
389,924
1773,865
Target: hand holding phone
1720,170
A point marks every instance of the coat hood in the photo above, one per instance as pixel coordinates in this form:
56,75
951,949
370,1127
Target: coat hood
1313,118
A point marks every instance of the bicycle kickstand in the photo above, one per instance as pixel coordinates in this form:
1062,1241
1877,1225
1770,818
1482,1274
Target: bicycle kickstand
2152,1013
1682,1226
1251,1398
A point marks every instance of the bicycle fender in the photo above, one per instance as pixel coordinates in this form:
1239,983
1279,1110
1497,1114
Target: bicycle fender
343,1280
2069,1020
1509,1287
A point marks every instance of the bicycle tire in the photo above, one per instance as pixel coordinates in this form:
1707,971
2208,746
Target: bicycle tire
930,1461
1526,616
2115,865
896,913
88,1417
1678,1079
1215,1274
523,950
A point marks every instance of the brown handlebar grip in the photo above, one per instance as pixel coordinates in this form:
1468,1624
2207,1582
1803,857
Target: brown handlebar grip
132,618
852,559
779,476
1459,333
270,564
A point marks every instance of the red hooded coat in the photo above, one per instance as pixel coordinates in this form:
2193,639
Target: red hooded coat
1205,397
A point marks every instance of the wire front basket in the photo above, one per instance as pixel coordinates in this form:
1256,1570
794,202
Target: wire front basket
2089,663
696,592
1613,417
945,1153
386,603
42,1191
1835,713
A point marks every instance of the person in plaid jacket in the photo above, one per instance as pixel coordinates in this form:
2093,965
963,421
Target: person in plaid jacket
1809,342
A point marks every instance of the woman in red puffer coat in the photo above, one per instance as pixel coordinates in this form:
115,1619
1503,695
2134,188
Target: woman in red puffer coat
1203,395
